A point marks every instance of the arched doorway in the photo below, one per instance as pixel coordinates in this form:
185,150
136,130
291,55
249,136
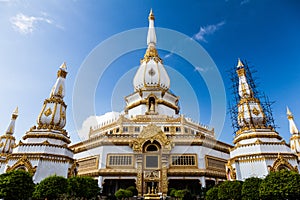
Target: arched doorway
152,167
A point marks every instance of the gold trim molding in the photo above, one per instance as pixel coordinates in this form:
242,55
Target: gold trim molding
151,133
23,162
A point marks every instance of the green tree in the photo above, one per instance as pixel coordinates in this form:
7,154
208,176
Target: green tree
121,194
283,184
51,188
133,190
250,189
180,194
172,192
76,185
212,193
230,190
16,184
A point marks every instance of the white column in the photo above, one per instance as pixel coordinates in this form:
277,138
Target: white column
202,180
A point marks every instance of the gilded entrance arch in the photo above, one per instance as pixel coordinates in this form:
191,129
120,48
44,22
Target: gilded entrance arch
23,163
152,134
281,163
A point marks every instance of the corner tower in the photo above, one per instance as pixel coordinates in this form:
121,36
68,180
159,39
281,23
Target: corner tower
7,141
258,148
151,83
44,150
295,134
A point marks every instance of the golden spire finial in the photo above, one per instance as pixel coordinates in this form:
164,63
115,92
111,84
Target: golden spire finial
62,72
151,15
289,113
15,113
240,63
63,66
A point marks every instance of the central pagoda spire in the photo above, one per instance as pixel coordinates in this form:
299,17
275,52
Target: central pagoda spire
151,83
151,52
151,37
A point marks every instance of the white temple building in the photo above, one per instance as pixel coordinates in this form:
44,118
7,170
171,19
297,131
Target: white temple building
151,146
258,148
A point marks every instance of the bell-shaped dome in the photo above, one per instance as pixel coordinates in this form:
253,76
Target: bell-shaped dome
151,73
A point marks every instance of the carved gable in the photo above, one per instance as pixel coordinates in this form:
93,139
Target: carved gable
151,133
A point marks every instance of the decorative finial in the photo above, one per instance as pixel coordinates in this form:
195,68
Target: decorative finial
151,15
293,127
15,113
62,72
63,66
288,112
240,63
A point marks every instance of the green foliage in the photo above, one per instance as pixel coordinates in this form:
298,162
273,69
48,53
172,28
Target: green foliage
280,185
133,190
16,184
51,187
172,192
180,194
212,194
121,193
230,190
83,187
250,189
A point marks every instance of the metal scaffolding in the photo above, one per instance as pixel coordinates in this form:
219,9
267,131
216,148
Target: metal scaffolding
266,104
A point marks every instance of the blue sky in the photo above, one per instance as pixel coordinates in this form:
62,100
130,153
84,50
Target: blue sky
37,36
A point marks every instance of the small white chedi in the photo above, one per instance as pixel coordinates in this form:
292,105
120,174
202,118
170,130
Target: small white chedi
44,150
258,148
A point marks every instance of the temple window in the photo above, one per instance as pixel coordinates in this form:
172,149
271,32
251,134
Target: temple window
120,160
151,161
166,129
151,147
183,160
125,129
178,129
186,130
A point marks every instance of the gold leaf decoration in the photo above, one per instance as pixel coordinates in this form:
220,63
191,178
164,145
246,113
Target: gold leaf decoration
48,112
63,115
60,90
255,111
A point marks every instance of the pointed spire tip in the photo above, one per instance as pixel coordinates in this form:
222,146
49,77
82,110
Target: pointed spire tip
240,63
288,112
151,15
16,111
63,66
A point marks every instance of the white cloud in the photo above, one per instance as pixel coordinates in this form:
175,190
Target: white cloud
94,121
25,24
207,30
